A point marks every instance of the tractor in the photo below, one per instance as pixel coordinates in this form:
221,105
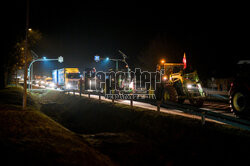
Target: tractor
177,86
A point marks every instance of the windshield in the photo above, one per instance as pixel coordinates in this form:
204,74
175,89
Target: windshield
173,69
73,75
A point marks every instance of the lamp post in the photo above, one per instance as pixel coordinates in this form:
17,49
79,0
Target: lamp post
59,59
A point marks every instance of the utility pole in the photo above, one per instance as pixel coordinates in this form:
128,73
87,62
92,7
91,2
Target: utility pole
26,58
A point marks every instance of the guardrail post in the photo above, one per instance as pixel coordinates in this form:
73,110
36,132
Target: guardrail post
203,119
113,99
131,101
89,95
99,95
158,103
74,92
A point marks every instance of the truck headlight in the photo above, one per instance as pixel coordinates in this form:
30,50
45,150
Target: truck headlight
68,86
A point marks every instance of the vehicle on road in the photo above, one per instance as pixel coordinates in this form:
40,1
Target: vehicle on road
49,83
240,90
66,78
177,85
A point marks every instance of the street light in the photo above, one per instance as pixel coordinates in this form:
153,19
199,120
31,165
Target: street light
97,59
59,59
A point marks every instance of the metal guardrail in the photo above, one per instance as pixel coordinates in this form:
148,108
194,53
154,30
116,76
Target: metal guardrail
203,114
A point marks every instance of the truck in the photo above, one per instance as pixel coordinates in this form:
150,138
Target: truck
66,78
177,85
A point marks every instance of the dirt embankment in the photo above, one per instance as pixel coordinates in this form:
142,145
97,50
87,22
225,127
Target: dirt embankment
32,138
143,137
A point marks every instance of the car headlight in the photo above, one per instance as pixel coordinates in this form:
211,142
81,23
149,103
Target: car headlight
52,85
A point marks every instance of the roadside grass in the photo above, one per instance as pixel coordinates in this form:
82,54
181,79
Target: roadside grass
152,137
31,138
13,96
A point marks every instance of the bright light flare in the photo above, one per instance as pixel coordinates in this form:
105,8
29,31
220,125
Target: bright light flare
68,86
52,85
164,78
189,86
131,85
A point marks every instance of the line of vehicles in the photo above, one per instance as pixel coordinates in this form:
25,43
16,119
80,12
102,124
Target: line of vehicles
176,85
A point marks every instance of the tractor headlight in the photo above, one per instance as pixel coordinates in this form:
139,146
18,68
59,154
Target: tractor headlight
189,86
199,86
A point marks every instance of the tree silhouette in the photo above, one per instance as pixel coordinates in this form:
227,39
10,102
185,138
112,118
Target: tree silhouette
16,59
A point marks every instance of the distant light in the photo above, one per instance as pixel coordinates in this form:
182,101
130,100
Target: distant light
97,58
162,61
44,58
60,59
107,59
30,29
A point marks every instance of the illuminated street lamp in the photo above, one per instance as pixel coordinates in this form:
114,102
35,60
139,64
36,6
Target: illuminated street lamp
59,59
97,59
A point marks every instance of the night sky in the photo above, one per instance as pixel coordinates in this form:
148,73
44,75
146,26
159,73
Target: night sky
78,30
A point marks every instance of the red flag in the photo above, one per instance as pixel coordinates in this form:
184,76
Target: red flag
184,61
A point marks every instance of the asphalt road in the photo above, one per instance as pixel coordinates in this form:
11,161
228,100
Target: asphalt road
214,111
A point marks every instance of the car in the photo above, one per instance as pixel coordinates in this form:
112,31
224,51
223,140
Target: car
240,90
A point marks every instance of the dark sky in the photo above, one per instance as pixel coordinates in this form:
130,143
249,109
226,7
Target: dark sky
78,30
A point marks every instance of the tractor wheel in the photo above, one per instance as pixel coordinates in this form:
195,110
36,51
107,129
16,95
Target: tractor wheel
158,92
170,94
239,103
196,102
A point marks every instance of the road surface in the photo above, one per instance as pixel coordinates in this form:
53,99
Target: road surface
218,112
